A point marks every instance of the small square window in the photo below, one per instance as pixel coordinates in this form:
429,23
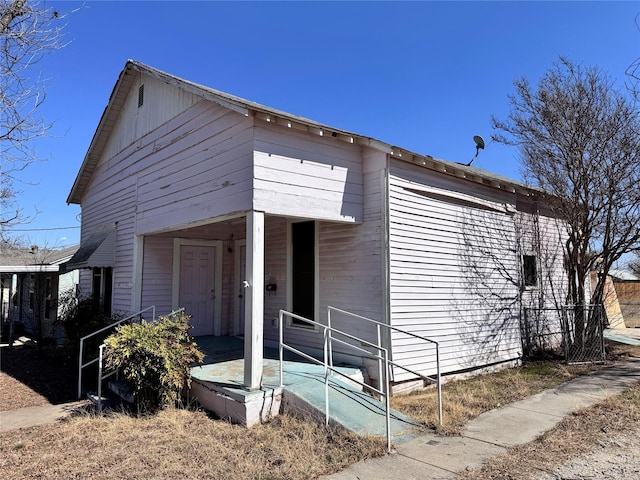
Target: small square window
530,270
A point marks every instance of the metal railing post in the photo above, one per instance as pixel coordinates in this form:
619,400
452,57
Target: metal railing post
100,357
280,347
387,401
326,376
330,343
379,359
80,368
439,384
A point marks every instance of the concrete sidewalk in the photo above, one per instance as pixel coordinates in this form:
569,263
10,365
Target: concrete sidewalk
434,457
41,415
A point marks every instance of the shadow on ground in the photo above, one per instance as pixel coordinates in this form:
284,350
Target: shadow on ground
50,372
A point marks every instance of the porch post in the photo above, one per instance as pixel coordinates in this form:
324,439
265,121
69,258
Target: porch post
138,258
254,301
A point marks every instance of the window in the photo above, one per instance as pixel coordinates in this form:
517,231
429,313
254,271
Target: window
530,270
101,288
303,272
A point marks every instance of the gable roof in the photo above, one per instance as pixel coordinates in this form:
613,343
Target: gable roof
248,108
25,260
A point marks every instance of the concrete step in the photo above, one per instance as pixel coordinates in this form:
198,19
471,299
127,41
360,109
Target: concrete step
349,408
104,402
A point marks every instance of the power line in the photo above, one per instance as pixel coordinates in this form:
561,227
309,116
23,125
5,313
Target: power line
40,229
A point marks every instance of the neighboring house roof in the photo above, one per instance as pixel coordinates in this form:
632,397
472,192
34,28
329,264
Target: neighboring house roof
623,275
33,260
245,107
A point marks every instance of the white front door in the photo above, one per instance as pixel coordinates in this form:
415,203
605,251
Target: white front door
198,289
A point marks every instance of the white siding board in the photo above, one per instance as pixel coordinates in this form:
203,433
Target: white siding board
436,247
161,102
304,175
157,274
166,178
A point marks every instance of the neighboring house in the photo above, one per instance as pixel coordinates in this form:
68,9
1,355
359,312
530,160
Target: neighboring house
196,198
627,289
31,283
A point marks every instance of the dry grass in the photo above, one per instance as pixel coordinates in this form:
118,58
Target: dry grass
180,444
464,400
576,435
190,444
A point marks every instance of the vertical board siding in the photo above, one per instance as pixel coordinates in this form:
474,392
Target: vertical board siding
454,278
303,175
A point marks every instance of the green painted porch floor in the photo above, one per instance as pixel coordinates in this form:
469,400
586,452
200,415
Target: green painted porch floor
348,406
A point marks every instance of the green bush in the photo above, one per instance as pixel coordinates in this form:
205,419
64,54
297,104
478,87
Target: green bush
154,359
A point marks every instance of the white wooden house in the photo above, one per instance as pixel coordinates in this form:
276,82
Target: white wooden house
195,198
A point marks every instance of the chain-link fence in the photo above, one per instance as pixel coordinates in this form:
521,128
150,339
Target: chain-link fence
584,333
574,332
542,333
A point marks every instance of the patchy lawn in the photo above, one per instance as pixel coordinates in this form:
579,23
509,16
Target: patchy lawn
180,444
30,378
191,444
464,400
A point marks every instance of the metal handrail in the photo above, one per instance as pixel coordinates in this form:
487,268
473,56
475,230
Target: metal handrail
81,365
330,368
391,362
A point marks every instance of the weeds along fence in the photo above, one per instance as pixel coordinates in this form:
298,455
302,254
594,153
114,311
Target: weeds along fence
572,332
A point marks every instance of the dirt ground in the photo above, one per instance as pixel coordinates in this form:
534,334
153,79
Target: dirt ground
616,457
29,377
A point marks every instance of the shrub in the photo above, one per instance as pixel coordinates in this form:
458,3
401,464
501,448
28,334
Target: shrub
80,316
154,359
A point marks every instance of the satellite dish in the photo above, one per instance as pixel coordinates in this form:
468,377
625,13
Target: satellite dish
479,146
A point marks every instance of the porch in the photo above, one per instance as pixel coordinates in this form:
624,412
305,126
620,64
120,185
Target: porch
218,384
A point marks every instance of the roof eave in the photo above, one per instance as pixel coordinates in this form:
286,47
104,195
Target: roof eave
270,115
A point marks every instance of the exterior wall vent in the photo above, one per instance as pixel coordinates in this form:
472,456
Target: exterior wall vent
140,95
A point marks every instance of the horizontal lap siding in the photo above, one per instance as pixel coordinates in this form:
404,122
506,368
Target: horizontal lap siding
205,173
157,274
303,175
275,271
454,277
544,237
193,167
350,272
161,103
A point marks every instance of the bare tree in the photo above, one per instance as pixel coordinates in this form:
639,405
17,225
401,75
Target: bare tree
28,31
633,71
579,140
634,265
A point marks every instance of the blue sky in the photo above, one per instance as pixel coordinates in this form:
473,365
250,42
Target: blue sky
425,76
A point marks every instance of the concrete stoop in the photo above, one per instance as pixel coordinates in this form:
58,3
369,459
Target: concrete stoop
218,388
349,408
